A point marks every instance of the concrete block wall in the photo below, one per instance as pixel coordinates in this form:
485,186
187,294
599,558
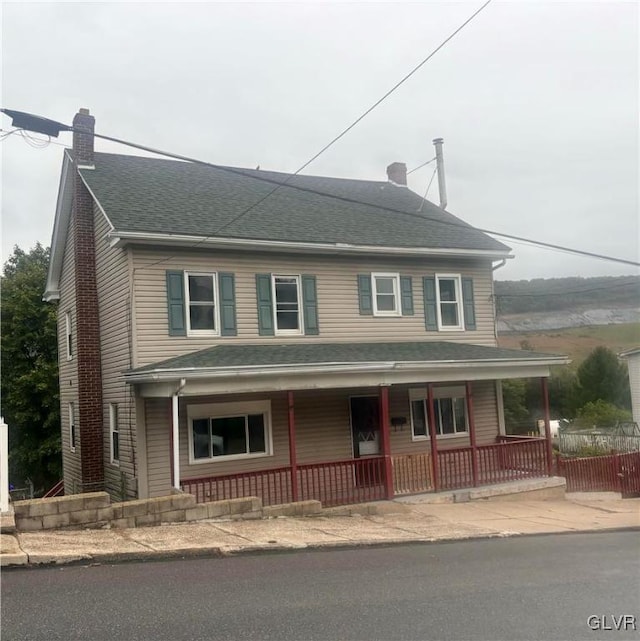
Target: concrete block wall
95,510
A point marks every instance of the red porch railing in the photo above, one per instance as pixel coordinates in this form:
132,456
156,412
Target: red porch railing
342,482
508,460
361,480
273,486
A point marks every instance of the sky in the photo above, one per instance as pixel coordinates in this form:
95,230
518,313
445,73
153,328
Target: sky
537,103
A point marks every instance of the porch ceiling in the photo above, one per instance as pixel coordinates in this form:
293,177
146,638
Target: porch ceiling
267,367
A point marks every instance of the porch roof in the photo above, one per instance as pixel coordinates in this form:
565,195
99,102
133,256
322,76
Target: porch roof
387,362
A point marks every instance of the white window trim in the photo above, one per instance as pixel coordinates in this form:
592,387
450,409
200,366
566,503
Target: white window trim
73,435
223,410
113,427
396,294
68,335
216,306
458,285
286,332
451,391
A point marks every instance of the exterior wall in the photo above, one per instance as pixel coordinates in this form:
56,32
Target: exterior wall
112,275
68,370
633,363
338,306
323,431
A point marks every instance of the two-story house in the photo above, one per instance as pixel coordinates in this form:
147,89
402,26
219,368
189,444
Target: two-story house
332,339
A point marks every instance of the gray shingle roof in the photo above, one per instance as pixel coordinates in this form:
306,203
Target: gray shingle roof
172,197
344,353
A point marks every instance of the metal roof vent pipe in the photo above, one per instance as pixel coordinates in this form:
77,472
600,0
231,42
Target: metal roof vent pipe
442,186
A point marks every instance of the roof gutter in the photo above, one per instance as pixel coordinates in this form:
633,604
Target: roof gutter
194,373
122,238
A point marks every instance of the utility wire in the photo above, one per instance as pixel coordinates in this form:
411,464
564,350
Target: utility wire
424,164
353,201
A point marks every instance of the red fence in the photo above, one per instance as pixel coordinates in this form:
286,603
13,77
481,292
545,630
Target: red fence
612,473
412,473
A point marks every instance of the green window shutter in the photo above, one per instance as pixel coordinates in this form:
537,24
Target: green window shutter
364,294
265,304
227,295
310,305
175,303
406,295
430,303
468,303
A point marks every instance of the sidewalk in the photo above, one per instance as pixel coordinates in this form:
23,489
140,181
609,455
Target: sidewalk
407,521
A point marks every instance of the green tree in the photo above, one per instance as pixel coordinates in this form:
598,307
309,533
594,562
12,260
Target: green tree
29,378
600,414
603,377
516,415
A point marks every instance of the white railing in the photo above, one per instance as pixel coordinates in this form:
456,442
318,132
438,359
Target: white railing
4,466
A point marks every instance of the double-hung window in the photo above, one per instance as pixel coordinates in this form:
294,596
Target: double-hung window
202,309
114,431
386,288
449,301
229,431
286,304
449,409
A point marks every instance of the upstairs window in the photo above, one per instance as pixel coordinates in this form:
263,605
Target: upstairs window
286,303
386,288
201,303
449,293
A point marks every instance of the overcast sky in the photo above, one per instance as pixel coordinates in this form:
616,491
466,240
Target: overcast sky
537,103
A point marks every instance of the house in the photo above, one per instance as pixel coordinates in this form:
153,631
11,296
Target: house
632,356
332,339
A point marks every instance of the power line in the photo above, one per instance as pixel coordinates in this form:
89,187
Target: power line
424,164
353,201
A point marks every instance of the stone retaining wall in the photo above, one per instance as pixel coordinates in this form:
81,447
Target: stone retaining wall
95,510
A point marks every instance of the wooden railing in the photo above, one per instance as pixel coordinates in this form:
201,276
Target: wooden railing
272,486
412,473
507,460
342,482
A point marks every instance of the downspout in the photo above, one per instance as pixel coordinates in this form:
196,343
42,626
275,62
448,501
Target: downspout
502,263
176,433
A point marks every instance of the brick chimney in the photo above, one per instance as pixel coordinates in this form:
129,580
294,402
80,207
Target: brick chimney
87,321
397,173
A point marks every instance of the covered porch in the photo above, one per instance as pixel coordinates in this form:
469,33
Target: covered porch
340,432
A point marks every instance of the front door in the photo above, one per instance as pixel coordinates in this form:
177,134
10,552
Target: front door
365,425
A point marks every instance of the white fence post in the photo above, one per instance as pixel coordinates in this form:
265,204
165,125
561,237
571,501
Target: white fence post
4,466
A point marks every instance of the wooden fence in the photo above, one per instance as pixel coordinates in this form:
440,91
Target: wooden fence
611,473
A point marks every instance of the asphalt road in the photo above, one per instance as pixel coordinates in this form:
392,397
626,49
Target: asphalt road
538,588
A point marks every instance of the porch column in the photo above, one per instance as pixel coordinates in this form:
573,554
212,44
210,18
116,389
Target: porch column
472,434
293,461
386,440
431,420
175,443
547,423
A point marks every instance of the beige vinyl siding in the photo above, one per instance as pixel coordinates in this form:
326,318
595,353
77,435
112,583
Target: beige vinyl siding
337,292
158,424
112,276
68,369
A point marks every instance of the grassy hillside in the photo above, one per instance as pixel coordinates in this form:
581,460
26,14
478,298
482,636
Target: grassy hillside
571,294
576,342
